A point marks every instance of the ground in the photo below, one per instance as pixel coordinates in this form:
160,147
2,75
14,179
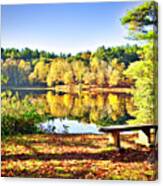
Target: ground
76,156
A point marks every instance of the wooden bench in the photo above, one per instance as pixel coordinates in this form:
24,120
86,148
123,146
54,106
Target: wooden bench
115,130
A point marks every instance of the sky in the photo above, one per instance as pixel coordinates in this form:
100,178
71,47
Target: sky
66,28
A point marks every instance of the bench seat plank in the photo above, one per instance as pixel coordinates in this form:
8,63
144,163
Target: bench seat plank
127,127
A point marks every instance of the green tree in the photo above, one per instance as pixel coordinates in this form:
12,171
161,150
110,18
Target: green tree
143,23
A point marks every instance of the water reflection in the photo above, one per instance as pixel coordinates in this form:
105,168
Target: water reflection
101,109
81,113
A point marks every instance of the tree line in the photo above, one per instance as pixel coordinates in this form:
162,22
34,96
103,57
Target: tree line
105,66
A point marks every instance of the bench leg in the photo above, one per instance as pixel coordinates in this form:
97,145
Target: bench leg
155,137
147,132
116,136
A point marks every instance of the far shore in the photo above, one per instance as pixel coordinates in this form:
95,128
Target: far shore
76,89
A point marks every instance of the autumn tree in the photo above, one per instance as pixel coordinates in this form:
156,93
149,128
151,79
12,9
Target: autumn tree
40,72
16,72
116,74
79,70
60,71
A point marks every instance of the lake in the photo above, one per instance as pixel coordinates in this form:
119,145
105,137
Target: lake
80,113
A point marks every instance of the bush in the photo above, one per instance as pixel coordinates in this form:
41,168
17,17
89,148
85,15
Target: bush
19,116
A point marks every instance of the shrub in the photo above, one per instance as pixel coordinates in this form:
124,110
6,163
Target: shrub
19,116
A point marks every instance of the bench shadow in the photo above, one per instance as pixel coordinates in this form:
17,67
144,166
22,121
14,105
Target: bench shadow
125,155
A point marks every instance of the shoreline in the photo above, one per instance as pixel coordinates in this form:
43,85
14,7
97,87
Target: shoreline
76,89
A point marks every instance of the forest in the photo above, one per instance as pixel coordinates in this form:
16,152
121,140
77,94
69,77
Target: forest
104,67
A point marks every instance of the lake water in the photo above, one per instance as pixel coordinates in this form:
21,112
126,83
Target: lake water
80,113
66,126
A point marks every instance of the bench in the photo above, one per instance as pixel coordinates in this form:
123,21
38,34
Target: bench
115,130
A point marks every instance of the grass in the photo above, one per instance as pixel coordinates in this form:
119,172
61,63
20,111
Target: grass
75,156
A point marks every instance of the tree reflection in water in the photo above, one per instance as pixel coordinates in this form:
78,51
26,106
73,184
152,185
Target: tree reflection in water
97,108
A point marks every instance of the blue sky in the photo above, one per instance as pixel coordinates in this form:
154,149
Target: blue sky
68,28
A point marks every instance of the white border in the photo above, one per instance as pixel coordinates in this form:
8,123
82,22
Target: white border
62,182
57,1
